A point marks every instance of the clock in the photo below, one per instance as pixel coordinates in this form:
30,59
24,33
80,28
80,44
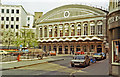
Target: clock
66,14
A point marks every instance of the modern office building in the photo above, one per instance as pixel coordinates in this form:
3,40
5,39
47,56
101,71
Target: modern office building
30,20
72,28
114,36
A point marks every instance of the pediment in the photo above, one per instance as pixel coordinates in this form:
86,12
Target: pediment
71,12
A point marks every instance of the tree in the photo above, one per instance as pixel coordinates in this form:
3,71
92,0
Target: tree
8,37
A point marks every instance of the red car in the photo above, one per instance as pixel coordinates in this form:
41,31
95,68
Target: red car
52,53
77,52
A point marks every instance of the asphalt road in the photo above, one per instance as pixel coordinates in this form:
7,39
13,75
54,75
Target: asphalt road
61,68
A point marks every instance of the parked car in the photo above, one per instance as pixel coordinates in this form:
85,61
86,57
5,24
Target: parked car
80,60
92,59
77,52
98,56
2,52
52,53
16,53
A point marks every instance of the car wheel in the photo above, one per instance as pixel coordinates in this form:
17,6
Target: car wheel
72,65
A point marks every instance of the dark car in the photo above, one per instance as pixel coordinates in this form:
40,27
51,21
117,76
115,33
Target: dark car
80,60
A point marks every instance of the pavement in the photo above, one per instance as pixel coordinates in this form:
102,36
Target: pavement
28,62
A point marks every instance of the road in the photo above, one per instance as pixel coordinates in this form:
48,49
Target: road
61,68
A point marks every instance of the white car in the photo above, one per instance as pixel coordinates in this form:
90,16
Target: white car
2,52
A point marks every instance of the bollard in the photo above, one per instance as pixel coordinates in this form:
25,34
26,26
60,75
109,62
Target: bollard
18,57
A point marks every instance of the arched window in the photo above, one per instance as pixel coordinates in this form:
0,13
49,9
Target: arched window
55,30
85,29
66,30
45,32
78,29
61,30
92,28
72,30
99,26
40,32
50,31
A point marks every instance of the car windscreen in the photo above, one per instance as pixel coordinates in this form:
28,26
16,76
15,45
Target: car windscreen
79,57
52,51
97,54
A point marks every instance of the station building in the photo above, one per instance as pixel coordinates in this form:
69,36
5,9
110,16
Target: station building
72,28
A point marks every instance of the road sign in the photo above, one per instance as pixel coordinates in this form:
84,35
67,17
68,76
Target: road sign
20,45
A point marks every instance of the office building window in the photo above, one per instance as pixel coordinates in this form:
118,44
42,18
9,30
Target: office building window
2,26
12,26
17,26
7,11
2,18
2,10
7,18
12,11
7,26
17,11
17,18
16,33
12,18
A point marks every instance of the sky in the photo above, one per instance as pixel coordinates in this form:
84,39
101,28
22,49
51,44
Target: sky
44,6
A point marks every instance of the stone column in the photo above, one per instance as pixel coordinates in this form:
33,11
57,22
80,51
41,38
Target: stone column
48,31
69,29
104,28
74,47
68,48
43,31
95,48
58,31
64,30
57,49
53,30
63,52
82,29
76,29
89,28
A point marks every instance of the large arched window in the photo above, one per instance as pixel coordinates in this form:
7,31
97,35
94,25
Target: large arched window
50,31
99,26
66,30
55,31
40,32
45,32
85,29
61,30
92,28
78,29
72,30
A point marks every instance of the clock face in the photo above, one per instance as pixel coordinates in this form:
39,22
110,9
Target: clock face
66,14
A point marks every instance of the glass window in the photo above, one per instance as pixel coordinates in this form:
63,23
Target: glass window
12,18
2,18
28,18
92,48
72,30
85,29
17,11
50,31
99,29
92,30
12,11
12,26
45,31
40,32
28,24
7,26
7,11
17,26
2,10
55,30
7,18
17,18
116,51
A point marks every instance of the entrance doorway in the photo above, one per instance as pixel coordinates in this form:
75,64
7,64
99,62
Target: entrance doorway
66,49
60,50
72,49
99,48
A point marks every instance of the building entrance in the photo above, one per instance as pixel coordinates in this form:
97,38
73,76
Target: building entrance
60,49
66,49
99,49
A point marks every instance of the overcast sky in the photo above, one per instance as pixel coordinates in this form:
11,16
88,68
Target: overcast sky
44,6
